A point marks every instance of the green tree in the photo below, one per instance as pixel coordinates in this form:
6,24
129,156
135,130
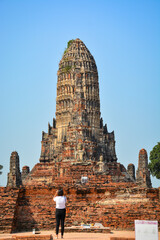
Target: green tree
0,169
154,164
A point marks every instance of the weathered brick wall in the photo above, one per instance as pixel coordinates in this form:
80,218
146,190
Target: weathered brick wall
35,209
8,201
115,206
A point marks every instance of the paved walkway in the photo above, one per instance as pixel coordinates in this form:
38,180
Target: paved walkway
79,236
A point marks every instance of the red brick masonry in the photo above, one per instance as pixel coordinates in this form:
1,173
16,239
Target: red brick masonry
115,206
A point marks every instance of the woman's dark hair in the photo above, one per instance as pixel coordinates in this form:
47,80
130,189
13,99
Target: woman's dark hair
60,192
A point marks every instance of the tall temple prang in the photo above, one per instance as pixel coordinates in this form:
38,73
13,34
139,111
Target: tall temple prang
78,137
79,133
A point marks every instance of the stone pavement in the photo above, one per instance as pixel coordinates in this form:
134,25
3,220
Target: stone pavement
114,235
73,236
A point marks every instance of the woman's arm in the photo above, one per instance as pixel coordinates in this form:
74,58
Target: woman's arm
56,194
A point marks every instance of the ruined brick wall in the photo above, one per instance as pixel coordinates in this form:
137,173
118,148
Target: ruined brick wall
8,203
115,206
35,209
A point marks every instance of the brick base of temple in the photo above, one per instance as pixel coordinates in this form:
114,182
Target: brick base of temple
115,206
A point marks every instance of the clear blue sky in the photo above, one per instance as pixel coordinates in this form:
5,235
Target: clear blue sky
124,38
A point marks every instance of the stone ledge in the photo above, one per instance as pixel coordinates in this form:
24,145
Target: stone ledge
80,163
87,230
28,237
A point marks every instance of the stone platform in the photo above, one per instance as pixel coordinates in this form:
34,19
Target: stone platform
87,230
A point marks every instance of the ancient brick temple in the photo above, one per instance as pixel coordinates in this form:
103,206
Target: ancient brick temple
78,143
78,154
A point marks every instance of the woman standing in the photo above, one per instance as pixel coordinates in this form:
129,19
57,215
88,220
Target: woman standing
60,210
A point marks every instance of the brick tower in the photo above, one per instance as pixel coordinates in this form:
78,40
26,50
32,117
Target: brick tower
77,79
14,176
143,174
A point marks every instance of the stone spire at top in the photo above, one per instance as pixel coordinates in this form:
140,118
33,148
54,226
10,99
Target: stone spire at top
77,64
77,50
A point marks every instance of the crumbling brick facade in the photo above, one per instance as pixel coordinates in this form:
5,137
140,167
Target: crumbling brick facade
8,205
114,205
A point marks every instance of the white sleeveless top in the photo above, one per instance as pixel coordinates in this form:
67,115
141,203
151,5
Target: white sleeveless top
60,202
